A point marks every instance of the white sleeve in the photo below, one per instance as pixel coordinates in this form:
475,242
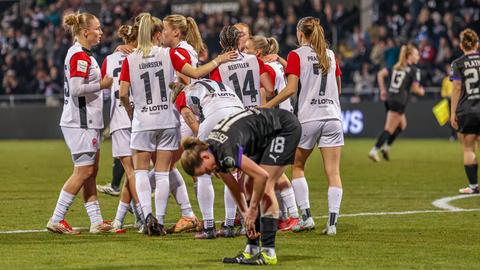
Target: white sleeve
80,88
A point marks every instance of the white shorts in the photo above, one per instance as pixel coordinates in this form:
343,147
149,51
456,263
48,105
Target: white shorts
83,144
324,133
213,119
185,130
121,143
152,140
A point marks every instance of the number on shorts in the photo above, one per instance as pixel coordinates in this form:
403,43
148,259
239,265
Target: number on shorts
248,88
278,145
323,83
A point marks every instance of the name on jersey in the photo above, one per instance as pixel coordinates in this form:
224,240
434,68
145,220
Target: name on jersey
237,66
321,101
312,58
150,65
154,108
472,63
218,136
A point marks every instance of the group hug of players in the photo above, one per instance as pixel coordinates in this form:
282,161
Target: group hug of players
239,124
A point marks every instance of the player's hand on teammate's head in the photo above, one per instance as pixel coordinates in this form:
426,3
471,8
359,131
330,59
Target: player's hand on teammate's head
124,49
270,58
176,87
106,82
226,57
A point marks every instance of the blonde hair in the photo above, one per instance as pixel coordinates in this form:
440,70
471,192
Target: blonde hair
74,22
192,148
128,33
188,30
147,28
405,52
312,29
266,45
469,39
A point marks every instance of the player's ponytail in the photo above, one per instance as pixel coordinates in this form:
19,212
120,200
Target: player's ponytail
176,87
273,47
405,52
229,37
145,34
469,39
313,31
128,33
193,37
192,148
74,22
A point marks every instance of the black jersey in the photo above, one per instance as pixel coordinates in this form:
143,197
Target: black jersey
401,81
250,133
467,69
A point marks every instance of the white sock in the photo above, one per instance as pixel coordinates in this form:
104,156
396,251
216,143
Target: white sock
179,191
230,207
64,202
144,191
139,211
334,199
162,190
300,188
151,178
93,212
288,200
121,211
205,196
283,208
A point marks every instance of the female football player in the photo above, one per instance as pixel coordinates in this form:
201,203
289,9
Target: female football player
183,38
313,66
465,110
405,77
81,122
264,47
209,101
120,125
261,143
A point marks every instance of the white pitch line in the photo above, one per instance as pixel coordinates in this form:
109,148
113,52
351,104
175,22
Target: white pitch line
366,214
444,203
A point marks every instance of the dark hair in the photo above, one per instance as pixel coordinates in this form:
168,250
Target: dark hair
192,147
229,37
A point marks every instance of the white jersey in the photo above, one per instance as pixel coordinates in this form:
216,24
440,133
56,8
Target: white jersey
318,94
149,77
118,115
81,111
280,83
242,75
206,97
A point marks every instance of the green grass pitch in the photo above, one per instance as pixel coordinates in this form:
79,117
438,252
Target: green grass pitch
32,173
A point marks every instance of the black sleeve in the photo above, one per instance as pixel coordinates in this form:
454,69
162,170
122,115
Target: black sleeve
415,73
229,157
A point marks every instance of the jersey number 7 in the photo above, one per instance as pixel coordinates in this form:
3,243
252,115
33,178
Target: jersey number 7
323,83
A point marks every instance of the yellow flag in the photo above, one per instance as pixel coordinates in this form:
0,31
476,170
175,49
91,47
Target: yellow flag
441,111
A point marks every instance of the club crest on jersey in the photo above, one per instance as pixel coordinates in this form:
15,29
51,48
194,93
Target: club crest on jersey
82,66
228,162
218,136
94,142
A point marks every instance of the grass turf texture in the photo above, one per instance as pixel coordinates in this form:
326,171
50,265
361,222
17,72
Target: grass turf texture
32,173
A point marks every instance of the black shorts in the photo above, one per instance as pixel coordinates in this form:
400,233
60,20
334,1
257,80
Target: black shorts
469,123
395,106
281,149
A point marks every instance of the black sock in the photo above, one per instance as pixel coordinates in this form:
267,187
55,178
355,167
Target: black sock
268,229
392,138
117,173
382,139
471,171
306,213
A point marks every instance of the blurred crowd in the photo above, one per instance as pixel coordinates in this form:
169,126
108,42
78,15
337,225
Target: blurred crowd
34,44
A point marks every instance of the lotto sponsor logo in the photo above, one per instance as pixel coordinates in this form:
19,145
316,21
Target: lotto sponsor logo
154,108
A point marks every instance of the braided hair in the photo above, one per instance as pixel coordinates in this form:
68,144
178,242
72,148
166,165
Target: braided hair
229,37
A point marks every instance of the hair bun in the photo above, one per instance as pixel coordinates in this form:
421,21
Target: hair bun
71,20
190,142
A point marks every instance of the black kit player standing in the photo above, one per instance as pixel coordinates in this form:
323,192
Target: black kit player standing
404,78
260,142
465,109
